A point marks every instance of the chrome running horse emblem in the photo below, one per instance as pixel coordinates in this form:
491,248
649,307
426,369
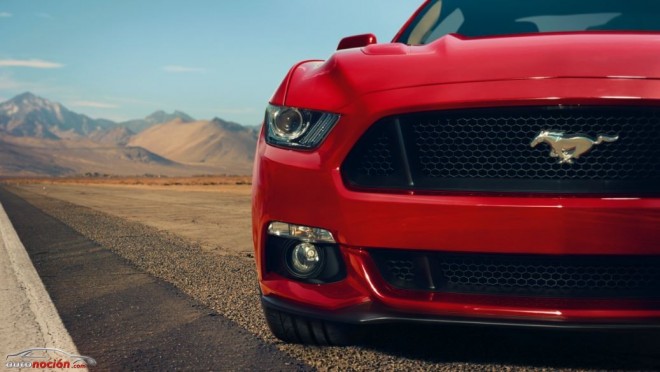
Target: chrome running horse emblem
569,148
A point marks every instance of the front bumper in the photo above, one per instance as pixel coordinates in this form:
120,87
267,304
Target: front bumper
307,188
371,313
365,297
502,225
455,223
477,224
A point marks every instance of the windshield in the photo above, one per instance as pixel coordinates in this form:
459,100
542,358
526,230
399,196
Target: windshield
478,18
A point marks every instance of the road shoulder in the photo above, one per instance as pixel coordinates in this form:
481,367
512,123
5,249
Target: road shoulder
28,317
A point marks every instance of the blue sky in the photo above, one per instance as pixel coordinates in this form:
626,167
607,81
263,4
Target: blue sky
123,59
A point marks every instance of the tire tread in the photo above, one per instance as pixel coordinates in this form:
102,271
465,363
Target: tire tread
301,330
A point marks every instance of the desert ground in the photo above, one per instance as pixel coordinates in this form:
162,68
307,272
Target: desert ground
195,234
212,211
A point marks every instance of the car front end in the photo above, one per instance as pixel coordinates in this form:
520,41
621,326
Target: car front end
428,183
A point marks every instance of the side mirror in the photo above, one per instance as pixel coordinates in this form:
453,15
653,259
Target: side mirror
357,41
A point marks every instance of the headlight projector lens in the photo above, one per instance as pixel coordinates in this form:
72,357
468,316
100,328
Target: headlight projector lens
289,124
305,260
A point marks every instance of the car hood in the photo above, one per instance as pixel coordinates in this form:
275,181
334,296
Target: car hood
454,59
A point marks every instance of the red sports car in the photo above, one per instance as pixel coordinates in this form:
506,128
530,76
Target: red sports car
497,163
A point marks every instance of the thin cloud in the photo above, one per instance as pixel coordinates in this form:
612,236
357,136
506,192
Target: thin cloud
94,104
30,63
5,15
182,69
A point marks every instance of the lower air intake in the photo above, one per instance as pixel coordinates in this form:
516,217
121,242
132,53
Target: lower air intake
522,275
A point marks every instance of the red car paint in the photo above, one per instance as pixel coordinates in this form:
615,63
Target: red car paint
366,84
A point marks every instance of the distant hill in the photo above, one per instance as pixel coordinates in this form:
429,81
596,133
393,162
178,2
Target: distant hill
119,135
27,115
17,160
158,117
25,156
218,142
40,137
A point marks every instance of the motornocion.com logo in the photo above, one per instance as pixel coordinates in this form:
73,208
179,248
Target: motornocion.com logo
41,357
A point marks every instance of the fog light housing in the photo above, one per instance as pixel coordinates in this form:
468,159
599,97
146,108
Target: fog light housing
305,260
303,253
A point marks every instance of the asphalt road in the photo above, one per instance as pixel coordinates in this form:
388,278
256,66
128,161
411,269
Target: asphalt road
127,319
99,275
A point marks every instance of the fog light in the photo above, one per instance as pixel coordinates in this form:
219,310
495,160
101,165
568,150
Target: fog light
305,260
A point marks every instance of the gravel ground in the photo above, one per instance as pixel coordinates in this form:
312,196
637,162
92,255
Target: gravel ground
228,285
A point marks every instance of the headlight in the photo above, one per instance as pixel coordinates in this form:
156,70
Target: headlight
293,127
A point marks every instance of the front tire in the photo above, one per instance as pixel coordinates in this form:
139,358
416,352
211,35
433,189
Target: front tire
300,330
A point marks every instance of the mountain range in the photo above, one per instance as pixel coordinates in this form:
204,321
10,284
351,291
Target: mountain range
39,137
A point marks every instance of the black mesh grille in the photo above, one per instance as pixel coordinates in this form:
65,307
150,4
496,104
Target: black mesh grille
378,159
526,275
489,150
